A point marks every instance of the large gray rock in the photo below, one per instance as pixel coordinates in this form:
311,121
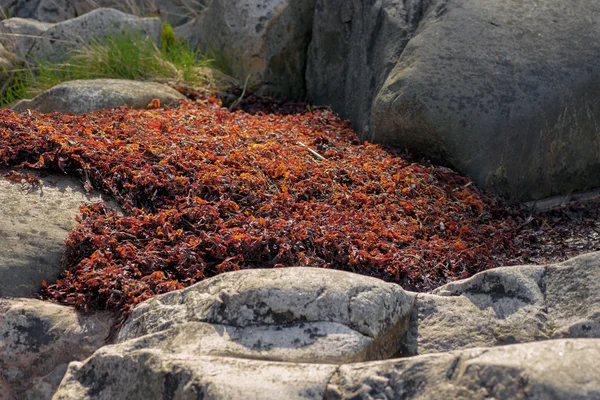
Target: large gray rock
281,297
176,12
37,341
83,96
558,369
510,99
509,305
265,40
355,44
54,42
154,374
573,297
33,228
19,34
310,342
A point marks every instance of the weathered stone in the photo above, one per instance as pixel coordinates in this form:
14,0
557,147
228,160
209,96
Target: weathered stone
141,374
83,96
176,12
311,342
558,369
495,307
33,229
484,99
509,305
37,341
60,39
355,44
19,34
265,40
573,297
277,297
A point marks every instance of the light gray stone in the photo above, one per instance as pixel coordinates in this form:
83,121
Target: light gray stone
496,307
83,96
276,297
311,342
509,305
37,341
176,12
33,228
265,40
558,369
573,297
112,374
19,34
60,39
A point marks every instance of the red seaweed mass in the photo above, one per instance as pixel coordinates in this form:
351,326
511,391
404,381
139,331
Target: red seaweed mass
206,191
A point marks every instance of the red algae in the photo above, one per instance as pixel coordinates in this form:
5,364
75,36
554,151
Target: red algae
207,190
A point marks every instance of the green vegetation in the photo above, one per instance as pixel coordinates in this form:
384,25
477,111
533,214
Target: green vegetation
120,56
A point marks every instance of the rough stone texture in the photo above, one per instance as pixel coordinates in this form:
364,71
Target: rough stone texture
509,305
496,307
33,229
311,342
561,369
19,34
89,95
176,12
573,297
37,341
355,44
112,374
277,297
264,39
56,43
510,99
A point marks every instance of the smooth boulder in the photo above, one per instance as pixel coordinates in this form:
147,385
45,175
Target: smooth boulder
83,96
261,42
33,229
510,99
38,339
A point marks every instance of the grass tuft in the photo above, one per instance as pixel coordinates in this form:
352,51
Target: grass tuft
118,56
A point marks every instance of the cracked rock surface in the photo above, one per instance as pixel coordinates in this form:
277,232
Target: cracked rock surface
38,339
322,334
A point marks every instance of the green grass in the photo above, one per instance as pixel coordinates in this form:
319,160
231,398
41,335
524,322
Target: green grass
120,56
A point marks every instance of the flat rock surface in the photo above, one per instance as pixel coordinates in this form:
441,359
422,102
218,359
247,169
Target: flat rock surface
37,341
83,96
33,228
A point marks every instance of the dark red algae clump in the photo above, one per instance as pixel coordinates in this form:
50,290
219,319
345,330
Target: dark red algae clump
206,191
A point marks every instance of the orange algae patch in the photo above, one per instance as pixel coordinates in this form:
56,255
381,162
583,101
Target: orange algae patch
207,191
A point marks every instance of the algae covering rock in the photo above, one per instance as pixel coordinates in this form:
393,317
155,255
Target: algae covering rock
33,228
83,96
37,341
264,41
558,369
